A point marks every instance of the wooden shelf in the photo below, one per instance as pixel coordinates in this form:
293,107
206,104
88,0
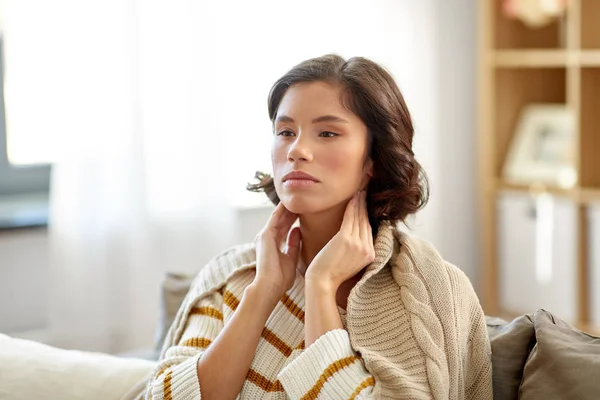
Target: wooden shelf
573,193
590,127
530,58
580,195
589,196
519,66
542,58
589,58
590,26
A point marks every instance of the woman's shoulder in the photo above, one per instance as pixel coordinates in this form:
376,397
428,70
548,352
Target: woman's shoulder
227,266
434,281
417,255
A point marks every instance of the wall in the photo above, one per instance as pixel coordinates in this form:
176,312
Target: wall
456,138
23,280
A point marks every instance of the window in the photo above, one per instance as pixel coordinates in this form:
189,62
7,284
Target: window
23,188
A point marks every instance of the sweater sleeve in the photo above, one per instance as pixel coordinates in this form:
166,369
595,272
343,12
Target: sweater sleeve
176,376
328,369
478,363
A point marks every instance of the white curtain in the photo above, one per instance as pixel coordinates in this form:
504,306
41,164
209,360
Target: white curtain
154,115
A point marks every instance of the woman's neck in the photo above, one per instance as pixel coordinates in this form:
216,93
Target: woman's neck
318,229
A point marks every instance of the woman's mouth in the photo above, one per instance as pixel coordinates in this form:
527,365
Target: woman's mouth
299,183
299,179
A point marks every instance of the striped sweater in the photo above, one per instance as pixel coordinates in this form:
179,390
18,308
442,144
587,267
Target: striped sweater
414,329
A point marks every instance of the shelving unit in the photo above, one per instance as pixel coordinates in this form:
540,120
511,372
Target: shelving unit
559,63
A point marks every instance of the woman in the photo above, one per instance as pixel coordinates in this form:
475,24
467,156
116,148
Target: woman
350,307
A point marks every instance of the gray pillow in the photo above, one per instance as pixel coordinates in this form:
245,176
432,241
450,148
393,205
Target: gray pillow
174,289
564,364
511,344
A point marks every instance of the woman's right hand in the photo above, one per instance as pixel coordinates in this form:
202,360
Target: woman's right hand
276,267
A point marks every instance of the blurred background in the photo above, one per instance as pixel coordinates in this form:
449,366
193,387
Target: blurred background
129,129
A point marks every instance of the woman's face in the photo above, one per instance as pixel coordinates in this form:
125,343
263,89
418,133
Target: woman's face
315,134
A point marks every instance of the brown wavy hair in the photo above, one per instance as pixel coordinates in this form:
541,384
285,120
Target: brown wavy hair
399,186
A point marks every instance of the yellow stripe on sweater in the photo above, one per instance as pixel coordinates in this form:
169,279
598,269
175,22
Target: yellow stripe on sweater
293,307
370,381
167,385
208,311
313,393
230,300
200,343
279,344
263,382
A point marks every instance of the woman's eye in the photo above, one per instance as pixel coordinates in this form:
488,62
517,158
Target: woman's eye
322,134
285,133
328,134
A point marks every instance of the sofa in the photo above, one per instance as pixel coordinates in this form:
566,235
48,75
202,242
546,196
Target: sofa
534,356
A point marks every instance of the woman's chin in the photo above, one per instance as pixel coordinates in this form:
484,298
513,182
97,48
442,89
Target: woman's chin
300,206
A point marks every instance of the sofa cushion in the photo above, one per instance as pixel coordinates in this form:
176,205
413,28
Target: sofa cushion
564,363
31,370
511,343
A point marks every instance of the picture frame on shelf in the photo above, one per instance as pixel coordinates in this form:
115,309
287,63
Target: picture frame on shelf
542,150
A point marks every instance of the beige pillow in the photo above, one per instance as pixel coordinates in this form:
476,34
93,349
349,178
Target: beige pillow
511,344
564,364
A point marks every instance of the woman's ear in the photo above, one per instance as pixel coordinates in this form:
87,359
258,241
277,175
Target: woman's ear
369,173
369,168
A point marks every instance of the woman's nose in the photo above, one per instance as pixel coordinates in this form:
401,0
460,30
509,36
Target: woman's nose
299,151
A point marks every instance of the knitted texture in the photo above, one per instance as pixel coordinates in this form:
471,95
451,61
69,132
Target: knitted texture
414,329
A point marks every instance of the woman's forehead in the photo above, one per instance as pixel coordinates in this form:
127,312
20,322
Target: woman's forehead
311,100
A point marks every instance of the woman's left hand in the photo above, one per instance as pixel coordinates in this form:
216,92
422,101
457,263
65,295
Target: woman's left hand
349,251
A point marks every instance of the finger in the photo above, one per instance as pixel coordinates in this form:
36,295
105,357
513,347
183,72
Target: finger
358,207
293,244
271,222
286,220
348,221
365,231
281,220
275,216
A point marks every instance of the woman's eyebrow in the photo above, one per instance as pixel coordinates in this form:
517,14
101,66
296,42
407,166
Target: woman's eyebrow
323,118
